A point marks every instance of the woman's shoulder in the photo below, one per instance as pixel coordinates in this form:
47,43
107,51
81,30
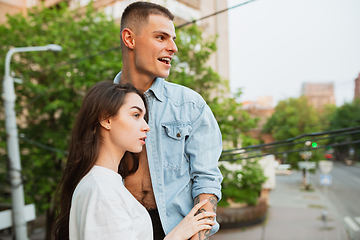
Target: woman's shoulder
101,182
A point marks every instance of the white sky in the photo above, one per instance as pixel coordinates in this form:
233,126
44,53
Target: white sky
276,45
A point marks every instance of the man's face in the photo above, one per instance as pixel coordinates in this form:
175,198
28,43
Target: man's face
155,47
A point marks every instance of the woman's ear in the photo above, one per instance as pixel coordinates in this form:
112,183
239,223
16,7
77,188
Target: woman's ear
105,123
128,38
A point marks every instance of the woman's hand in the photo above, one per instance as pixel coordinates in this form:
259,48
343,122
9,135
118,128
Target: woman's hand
192,224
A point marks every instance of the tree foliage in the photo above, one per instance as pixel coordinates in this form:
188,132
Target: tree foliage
243,185
345,116
53,86
293,117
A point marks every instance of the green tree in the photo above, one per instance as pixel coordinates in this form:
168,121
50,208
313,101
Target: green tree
293,117
53,87
345,116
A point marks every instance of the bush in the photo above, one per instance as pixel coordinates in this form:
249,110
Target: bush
242,185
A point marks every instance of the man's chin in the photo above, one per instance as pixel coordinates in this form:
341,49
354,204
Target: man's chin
164,75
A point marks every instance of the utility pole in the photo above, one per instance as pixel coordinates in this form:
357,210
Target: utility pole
12,140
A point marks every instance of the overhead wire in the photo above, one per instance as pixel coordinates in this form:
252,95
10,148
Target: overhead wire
297,137
23,137
290,151
295,143
213,14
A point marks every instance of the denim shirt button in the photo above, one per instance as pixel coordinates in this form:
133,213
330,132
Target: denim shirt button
178,134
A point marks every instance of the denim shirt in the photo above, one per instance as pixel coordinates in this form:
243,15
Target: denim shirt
183,147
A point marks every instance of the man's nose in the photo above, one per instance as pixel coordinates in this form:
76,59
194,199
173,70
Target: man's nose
172,46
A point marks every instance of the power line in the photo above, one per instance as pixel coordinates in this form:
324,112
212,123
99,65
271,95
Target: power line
23,137
297,137
295,143
291,151
216,13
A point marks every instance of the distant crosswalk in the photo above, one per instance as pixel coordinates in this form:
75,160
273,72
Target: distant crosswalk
353,223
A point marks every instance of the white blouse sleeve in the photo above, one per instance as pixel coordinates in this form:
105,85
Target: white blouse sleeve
105,218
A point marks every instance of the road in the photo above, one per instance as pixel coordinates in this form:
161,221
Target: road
343,195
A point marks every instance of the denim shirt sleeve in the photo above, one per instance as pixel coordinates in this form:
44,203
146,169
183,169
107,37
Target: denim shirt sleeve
203,148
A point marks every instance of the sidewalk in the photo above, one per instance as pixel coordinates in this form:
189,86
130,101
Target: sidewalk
293,214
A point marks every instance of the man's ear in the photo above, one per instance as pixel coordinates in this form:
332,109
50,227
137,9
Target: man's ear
128,38
105,123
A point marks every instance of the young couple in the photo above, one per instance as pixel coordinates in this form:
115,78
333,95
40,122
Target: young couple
172,183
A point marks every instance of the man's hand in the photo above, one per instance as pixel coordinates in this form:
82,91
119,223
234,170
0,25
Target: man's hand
210,206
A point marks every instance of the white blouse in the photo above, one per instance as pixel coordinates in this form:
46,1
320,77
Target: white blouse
102,208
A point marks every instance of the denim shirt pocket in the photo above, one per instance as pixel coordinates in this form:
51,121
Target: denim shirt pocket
173,144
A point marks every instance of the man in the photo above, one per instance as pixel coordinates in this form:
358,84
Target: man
178,165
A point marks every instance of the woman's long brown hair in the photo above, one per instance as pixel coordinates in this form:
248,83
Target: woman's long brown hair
102,101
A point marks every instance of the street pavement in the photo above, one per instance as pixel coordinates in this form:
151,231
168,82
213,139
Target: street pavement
344,195
293,214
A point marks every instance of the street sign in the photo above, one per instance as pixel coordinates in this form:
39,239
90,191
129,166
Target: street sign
305,154
325,179
307,165
325,166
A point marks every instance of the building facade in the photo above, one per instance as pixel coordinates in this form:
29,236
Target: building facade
319,94
357,87
262,109
184,11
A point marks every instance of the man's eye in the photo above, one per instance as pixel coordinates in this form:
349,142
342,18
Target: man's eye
160,37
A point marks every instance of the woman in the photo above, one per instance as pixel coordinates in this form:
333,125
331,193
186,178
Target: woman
94,204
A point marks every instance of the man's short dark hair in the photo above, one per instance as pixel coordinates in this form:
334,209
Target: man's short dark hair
137,13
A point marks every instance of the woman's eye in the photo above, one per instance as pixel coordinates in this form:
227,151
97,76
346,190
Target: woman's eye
137,115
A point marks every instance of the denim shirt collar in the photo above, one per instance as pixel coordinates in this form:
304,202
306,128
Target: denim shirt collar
156,87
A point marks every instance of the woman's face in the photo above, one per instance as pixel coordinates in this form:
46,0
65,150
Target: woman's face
128,128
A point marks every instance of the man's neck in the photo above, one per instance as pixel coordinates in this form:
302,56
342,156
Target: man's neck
141,82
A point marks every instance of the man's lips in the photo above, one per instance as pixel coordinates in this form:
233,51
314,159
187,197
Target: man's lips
165,60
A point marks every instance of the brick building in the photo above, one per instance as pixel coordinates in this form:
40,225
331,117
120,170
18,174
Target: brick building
261,109
357,87
319,94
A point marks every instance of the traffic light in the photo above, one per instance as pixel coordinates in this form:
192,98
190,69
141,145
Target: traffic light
314,144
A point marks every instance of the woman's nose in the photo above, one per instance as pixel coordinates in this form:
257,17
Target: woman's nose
146,127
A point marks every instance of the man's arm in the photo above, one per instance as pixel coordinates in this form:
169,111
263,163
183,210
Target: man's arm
210,206
204,147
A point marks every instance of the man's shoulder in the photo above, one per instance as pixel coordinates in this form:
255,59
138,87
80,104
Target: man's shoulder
180,94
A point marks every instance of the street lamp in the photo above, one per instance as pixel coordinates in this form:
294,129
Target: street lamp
17,191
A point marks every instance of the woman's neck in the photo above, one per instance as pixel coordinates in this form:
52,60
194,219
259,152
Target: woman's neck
109,159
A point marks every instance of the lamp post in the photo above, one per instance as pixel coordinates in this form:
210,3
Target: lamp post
307,156
17,191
